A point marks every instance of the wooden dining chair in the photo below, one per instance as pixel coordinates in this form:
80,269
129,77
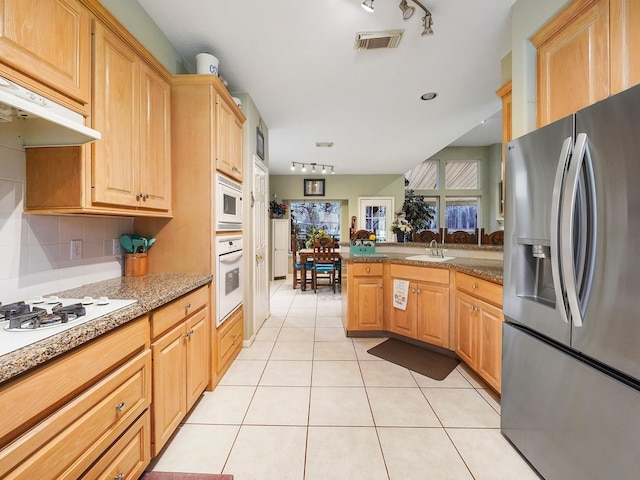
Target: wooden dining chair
297,269
324,262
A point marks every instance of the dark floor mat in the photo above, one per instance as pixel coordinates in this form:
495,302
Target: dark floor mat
420,360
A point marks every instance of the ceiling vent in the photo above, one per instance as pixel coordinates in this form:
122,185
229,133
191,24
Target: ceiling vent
373,40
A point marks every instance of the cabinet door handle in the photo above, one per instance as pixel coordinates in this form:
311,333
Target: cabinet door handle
145,196
473,285
368,270
187,306
120,406
380,285
139,196
120,476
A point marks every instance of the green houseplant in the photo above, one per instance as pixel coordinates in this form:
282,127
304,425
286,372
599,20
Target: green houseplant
416,211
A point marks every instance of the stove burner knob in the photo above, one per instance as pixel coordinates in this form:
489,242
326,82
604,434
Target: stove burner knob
87,301
38,299
53,299
103,301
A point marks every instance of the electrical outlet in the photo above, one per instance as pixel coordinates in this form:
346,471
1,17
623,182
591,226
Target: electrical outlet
115,247
76,249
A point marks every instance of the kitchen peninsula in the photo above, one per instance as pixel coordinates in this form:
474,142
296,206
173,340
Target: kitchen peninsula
454,306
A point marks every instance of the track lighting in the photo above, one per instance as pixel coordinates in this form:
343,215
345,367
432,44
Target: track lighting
303,167
368,5
427,23
407,11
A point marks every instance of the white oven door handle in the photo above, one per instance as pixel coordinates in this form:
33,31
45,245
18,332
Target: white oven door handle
230,257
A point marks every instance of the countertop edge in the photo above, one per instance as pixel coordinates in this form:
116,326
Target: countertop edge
486,269
151,291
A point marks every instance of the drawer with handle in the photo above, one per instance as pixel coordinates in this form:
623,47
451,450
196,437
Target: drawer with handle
491,292
128,457
229,337
174,312
367,269
66,443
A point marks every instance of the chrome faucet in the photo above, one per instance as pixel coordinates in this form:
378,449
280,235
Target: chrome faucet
433,249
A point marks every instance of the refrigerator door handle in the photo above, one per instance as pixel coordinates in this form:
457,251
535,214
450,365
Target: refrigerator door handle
555,230
569,206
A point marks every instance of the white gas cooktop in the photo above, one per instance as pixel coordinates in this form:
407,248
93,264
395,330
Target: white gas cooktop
11,340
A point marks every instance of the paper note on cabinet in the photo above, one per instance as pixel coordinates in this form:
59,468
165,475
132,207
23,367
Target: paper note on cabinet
400,293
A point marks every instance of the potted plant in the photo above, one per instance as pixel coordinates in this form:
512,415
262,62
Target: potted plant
416,211
277,210
401,227
314,234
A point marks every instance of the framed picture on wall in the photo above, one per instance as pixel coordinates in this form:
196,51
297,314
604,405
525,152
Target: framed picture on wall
259,143
313,187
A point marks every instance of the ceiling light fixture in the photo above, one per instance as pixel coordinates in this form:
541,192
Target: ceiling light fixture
428,96
427,23
368,6
407,11
313,167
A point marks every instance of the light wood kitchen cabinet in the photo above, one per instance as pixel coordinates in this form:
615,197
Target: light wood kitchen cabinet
624,38
228,138
128,171
95,394
131,105
506,97
586,53
426,317
45,45
180,361
573,60
365,297
229,341
478,326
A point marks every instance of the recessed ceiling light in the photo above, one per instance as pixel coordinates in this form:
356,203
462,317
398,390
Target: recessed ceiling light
428,96
324,144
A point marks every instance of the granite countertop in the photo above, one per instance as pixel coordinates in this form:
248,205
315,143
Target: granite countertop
151,291
491,270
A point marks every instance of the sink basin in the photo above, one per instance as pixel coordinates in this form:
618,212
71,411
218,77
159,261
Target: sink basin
429,258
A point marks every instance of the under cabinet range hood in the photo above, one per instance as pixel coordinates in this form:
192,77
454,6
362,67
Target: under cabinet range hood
38,121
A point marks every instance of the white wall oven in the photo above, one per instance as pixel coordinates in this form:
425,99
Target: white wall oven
229,276
229,204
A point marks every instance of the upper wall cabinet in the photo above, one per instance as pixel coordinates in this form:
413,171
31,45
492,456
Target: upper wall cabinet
585,54
131,106
228,137
128,171
45,46
573,60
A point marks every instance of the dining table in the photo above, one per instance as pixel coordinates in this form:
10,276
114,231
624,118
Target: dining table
306,254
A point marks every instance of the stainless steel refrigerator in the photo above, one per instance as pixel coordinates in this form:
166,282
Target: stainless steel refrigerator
571,338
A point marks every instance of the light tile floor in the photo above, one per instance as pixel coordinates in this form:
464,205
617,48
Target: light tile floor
304,402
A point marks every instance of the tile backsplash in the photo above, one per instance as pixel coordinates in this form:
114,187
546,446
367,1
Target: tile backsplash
35,250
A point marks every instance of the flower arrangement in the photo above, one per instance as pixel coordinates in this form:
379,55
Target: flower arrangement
277,210
314,234
401,224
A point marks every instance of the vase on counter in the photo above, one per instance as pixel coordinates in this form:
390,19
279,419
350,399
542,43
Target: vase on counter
400,237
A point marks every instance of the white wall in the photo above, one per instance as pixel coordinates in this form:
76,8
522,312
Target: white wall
35,249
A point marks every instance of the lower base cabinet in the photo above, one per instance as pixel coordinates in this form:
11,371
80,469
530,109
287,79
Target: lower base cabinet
180,362
81,428
478,338
229,337
426,317
365,306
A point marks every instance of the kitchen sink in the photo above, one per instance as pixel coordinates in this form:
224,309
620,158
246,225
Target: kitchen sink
429,258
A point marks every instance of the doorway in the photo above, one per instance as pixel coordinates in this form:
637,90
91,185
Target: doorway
260,248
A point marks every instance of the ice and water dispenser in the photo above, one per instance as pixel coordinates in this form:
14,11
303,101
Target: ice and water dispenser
535,281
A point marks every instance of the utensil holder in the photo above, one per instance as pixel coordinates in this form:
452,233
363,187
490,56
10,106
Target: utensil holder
135,264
